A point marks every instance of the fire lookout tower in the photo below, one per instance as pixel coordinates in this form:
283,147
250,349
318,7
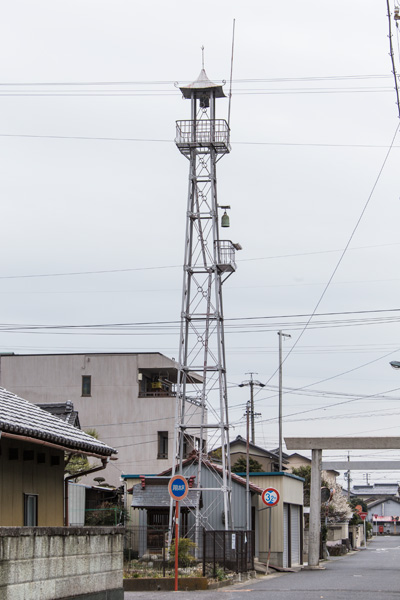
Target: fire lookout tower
208,262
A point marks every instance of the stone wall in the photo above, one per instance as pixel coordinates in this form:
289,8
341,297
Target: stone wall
52,563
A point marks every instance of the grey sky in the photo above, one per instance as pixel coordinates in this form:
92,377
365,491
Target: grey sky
313,116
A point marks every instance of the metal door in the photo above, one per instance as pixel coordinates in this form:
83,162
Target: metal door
285,534
295,534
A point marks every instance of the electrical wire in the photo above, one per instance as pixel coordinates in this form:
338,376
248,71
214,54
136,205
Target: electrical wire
169,141
342,254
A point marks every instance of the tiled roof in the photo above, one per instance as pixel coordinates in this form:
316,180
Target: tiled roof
217,468
155,494
377,489
374,503
64,411
20,417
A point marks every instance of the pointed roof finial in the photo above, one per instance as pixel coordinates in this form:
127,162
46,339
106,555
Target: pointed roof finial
202,57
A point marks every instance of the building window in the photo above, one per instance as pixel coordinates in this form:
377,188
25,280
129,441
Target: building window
86,385
162,444
30,510
28,455
13,454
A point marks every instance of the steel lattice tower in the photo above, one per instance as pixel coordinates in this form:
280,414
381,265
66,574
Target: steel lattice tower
208,262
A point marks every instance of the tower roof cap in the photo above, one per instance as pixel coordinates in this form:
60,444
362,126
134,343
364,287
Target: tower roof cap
202,84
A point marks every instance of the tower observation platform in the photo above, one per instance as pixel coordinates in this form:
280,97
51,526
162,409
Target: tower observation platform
205,133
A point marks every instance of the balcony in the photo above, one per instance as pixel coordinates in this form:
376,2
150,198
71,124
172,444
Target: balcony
226,255
205,133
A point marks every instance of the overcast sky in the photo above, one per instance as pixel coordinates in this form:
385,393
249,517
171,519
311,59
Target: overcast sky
94,193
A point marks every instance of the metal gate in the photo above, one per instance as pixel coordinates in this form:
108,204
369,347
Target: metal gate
233,550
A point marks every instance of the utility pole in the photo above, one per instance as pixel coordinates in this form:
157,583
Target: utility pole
252,382
248,408
348,478
281,335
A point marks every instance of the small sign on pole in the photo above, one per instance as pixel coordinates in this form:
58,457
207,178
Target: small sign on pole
178,488
270,497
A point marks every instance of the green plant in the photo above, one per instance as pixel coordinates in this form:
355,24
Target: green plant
357,502
185,555
107,514
240,465
220,574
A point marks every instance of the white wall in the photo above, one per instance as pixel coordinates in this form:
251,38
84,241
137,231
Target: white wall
122,419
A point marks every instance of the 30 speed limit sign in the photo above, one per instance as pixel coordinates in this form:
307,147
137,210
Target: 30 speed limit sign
270,496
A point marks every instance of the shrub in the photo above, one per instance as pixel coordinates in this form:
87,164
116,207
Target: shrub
185,548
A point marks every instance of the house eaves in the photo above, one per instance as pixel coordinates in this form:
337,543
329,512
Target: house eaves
24,420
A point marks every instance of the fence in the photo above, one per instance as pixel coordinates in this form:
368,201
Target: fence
229,550
233,550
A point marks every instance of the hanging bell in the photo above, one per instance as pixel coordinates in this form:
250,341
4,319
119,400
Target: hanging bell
225,220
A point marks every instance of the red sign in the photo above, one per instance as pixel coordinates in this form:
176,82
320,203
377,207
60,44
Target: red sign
270,497
363,515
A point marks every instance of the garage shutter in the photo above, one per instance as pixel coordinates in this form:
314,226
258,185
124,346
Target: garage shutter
285,534
295,534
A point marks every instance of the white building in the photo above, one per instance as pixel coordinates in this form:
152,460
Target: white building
128,398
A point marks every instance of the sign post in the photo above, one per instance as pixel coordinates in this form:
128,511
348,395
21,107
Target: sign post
178,489
270,497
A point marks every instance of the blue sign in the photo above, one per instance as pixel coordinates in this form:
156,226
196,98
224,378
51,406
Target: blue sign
178,487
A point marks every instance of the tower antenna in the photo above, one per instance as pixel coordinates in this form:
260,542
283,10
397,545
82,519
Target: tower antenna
230,83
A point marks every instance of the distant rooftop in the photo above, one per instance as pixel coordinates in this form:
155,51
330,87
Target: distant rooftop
377,489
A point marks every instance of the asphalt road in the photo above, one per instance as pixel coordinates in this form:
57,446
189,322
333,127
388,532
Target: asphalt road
370,574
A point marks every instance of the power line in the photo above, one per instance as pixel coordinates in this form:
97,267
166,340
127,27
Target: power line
171,82
343,252
302,412
169,141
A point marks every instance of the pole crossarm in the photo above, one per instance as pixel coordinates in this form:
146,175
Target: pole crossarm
361,465
342,443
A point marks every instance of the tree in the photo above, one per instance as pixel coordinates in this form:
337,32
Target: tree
240,466
355,503
79,462
337,510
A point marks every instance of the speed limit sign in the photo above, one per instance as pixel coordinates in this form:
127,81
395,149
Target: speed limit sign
270,496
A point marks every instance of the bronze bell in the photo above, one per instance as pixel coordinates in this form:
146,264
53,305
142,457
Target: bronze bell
225,220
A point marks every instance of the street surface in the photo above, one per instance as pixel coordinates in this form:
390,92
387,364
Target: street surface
370,574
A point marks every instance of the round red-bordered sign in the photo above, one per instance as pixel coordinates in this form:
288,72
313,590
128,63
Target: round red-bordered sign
178,487
270,496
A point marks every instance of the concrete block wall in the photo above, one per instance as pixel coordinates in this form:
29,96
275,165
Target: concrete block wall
54,563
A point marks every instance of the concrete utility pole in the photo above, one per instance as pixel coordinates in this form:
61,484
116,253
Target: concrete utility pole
248,408
281,335
315,508
348,478
252,382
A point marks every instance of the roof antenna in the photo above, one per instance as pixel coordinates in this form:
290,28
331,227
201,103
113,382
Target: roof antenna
202,57
230,85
